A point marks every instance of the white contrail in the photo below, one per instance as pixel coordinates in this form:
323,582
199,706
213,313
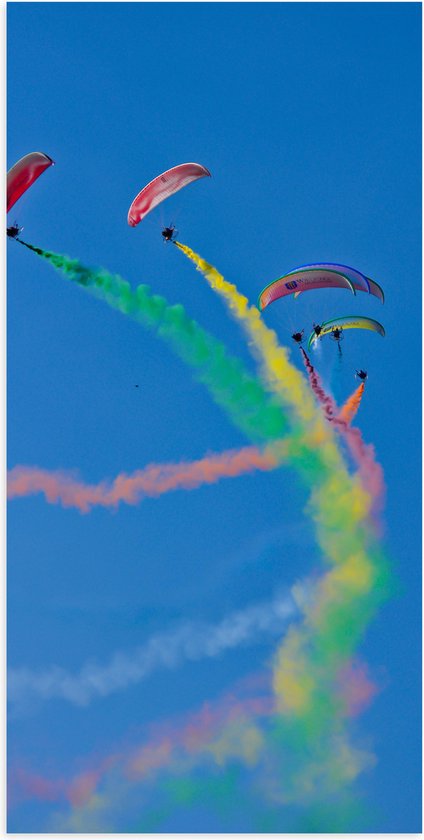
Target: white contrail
190,641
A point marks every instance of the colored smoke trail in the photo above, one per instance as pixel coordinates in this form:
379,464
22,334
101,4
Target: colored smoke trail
221,730
189,641
349,410
370,471
276,368
309,432
316,456
327,403
347,595
60,487
311,720
235,727
231,386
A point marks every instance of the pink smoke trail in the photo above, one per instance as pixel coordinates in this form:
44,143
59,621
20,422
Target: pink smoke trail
356,688
370,471
170,746
153,480
179,745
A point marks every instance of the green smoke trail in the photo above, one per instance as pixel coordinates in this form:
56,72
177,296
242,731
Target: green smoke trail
220,791
312,722
231,386
223,793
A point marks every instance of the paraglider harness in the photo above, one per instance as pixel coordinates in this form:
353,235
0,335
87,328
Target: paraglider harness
14,230
169,233
337,334
298,337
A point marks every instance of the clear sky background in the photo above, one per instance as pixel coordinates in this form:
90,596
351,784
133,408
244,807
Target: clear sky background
308,117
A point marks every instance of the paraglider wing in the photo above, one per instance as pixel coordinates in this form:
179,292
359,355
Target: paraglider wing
375,289
303,280
24,173
162,187
359,281
347,322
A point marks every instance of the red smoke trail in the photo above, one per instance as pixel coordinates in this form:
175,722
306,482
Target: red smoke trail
370,470
153,480
328,404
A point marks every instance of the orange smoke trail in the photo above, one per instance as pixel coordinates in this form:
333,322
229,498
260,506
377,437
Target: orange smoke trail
351,406
154,480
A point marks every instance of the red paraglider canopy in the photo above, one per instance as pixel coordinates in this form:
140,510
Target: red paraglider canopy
24,173
162,187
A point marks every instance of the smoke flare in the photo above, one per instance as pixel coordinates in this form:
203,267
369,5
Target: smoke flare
349,410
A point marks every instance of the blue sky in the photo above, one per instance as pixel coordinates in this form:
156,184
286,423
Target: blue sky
308,117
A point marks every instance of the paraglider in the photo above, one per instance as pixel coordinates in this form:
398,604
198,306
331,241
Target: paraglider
23,174
375,289
361,374
317,330
347,322
303,280
169,233
359,280
318,276
298,337
162,187
337,334
14,230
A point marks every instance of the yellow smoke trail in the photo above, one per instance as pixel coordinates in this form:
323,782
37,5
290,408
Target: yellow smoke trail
307,660
278,371
281,377
311,432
